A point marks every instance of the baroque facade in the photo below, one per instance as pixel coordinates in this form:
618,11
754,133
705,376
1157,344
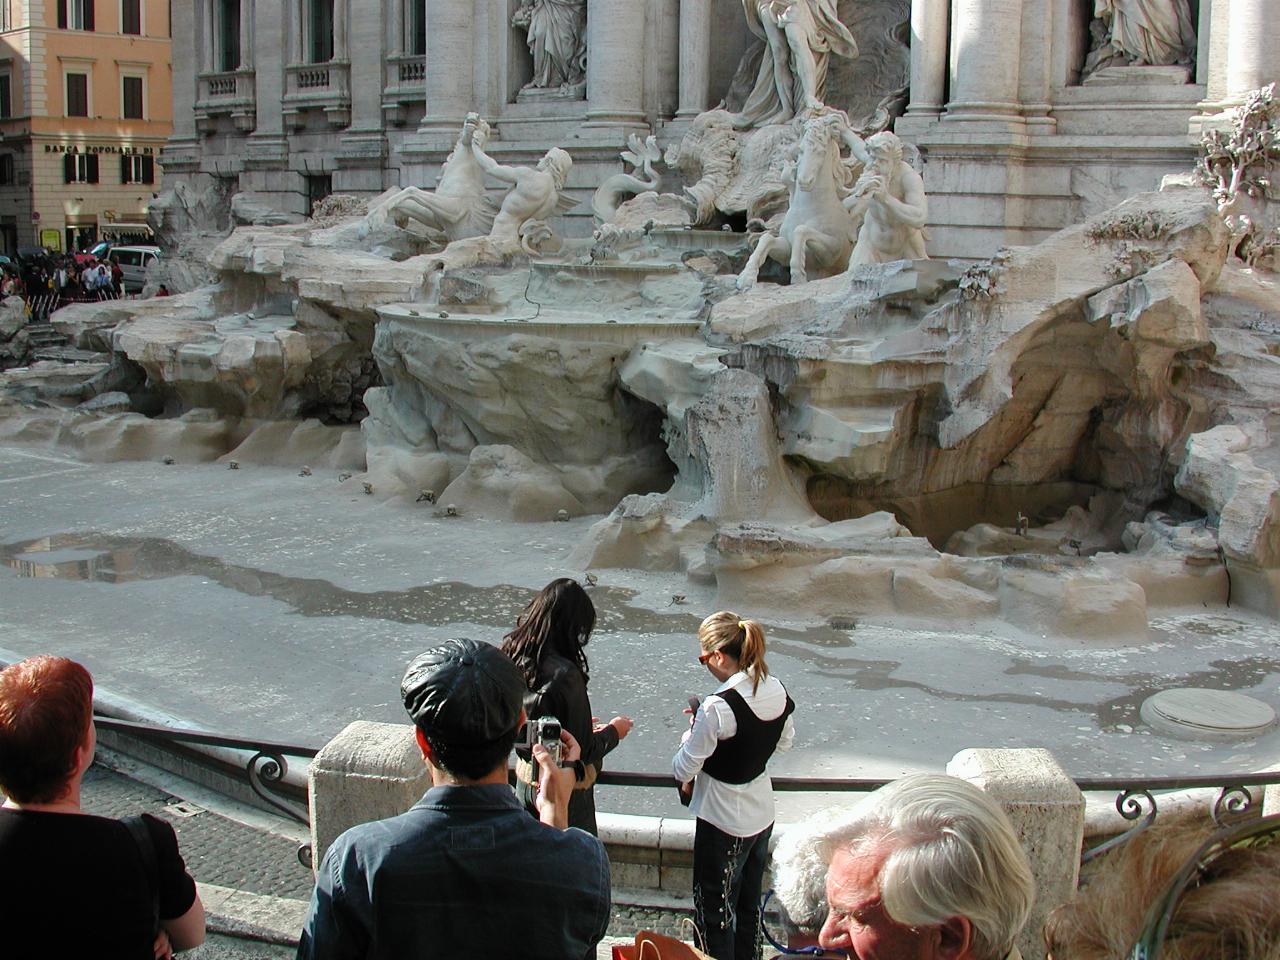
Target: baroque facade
1027,114
84,114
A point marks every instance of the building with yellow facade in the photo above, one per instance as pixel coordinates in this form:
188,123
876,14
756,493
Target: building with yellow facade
85,108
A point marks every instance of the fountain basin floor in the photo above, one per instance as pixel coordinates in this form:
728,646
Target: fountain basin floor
264,604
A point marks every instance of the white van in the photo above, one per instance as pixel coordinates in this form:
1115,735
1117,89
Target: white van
133,264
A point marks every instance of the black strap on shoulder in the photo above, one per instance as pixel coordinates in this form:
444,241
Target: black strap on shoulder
150,863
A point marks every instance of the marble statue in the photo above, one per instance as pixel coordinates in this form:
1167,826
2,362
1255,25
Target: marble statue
457,208
641,155
800,36
533,197
1150,32
557,31
889,198
816,233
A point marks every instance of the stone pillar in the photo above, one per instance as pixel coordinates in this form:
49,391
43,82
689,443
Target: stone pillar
615,62
1253,46
450,43
396,40
246,34
267,141
695,56
207,44
986,37
363,149
369,771
1047,811
929,24
340,11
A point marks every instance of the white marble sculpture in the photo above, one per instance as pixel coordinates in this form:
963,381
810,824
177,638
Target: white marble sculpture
816,234
533,197
457,208
800,37
1239,164
889,198
557,31
1142,32
641,155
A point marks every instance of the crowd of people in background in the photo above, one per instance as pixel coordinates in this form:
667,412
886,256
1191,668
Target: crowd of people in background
54,280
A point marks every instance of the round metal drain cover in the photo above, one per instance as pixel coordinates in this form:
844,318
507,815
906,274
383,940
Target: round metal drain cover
1203,714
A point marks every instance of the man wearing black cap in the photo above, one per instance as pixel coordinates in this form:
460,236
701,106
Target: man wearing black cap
466,871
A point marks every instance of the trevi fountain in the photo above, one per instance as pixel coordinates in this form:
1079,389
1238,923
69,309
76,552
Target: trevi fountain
992,473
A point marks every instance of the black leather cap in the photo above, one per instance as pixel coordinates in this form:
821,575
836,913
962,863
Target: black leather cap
464,692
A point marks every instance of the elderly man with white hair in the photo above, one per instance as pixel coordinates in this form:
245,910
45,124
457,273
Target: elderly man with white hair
926,868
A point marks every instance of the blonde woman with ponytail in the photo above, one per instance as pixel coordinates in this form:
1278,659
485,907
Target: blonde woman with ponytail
723,755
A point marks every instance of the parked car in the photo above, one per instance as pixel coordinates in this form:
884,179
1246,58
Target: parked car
133,264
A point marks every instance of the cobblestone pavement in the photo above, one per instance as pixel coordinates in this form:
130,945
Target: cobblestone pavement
217,850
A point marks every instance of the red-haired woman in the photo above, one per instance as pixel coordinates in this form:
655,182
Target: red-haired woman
724,753
547,645
73,882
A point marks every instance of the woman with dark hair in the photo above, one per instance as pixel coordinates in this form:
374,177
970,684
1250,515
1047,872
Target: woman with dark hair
84,886
547,646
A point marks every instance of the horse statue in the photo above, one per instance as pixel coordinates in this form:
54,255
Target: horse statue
458,207
817,233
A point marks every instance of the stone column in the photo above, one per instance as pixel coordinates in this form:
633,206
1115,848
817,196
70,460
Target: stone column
1047,811
397,45
615,62
929,23
450,43
1253,46
986,37
695,56
270,37
187,58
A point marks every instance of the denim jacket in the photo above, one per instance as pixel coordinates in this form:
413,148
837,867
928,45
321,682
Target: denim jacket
465,872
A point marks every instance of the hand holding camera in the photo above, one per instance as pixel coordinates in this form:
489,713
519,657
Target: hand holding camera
555,782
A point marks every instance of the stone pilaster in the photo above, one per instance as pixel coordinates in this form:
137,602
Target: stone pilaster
363,148
695,56
267,143
615,63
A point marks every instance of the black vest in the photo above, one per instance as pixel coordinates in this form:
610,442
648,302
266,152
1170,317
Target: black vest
742,757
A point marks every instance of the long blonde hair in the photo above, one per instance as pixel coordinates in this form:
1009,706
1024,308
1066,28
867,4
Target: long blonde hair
741,639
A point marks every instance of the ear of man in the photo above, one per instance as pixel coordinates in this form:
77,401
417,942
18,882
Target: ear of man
955,939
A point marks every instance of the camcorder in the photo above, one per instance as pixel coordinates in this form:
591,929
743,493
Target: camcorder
546,731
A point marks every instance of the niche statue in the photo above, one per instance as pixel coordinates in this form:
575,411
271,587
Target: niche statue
557,36
1154,33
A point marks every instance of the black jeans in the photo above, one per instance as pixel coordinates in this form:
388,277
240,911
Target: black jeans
728,872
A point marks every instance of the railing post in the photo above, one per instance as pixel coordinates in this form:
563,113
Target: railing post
369,771
1047,810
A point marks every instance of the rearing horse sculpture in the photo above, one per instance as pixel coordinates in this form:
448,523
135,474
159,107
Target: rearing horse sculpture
817,233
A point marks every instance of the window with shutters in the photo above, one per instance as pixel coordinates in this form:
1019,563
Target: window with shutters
131,17
6,94
77,94
132,99
6,169
6,14
80,168
136,168
75,14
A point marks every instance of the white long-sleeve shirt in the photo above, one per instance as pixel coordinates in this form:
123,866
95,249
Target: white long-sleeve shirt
739,809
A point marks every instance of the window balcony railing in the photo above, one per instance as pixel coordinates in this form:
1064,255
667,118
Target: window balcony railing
228,93
405,84
318,86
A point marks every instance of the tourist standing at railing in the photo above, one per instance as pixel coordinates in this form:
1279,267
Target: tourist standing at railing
75,885
723,755
548,646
